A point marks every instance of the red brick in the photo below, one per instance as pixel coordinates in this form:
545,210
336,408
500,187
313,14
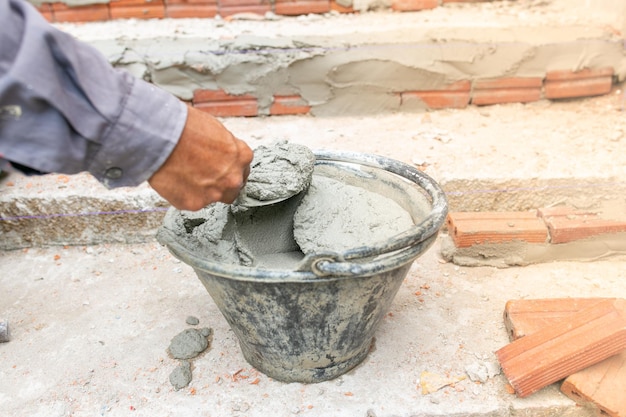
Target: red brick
189,2
207,96
299,7
138,12
567,224
230,108
509,82
602,385
412,5
509,95
179,11
440,99
527,316
229,11
236,3
455,95
289,105
129,3
90,13
506,90
473,228
564,348
578,88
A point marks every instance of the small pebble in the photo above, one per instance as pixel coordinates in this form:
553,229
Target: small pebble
192,321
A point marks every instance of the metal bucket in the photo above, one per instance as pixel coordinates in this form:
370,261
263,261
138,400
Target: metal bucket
316,321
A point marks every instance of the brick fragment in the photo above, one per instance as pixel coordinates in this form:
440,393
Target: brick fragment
506,90
473,228
566,347
567,224
413,5
289,105
588,82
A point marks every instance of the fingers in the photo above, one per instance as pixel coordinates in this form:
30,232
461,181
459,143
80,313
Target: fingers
207,165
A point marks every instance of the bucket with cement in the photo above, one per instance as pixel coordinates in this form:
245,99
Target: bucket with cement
307,317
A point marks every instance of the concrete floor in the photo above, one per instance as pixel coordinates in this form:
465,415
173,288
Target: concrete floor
91,325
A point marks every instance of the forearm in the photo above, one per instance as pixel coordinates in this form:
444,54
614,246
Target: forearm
73,111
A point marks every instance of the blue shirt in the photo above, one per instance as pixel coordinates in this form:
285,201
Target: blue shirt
64,108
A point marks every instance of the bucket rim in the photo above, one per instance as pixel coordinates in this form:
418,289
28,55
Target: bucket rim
393,252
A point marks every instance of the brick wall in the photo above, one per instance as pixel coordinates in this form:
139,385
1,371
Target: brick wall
480,92
151,9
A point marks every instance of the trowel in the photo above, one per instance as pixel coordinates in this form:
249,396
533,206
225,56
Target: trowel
277,173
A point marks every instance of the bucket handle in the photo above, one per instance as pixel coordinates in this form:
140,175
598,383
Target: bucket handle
333,264
416,234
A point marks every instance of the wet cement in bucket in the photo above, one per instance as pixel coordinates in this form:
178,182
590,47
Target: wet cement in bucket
329,216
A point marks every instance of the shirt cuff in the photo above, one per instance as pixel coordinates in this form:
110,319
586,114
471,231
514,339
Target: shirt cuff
142,138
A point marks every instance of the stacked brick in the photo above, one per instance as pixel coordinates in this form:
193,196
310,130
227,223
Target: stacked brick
589,82
588,333
158,9
553,225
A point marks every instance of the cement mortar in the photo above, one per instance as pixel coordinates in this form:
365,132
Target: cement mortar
189,343
279,171
334,216
348,65
328,215
518,253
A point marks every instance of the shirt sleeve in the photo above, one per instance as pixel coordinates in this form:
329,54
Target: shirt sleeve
64,108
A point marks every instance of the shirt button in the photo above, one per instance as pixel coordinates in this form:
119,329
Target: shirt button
113,173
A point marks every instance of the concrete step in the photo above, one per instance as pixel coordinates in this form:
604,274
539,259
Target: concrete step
500,158
372,62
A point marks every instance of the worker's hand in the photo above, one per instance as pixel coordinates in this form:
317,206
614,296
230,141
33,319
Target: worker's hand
207,165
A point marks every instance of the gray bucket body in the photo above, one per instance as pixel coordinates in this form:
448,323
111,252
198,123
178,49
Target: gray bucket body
317,320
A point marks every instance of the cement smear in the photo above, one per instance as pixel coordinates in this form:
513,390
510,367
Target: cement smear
518,253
